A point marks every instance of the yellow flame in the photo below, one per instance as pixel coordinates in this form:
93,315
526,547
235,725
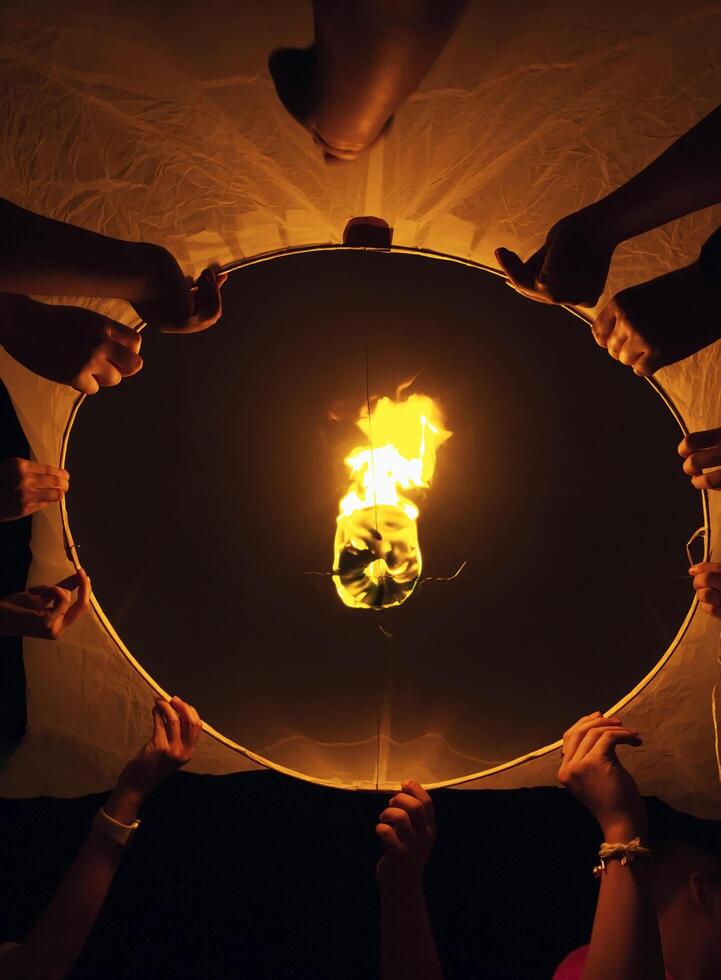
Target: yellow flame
377,559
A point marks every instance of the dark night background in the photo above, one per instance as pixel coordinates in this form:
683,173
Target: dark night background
257,875
260,876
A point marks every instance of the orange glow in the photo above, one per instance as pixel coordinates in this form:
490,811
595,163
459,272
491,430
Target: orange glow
377,559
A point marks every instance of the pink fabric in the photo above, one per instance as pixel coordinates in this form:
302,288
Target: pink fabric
572,967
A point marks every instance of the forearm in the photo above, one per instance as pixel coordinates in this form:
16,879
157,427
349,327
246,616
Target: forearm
39,255
408,950
625,941
56,941
684,179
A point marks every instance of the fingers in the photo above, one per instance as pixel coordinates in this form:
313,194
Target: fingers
418,804
125,336
390,841
703,459
190,723
707,481
708,460
514,268
43,497
82,601
126,361
208,305
414,788
400,821
524,276
701,451
105,373
694,442
160,734
603,325
646,365
707,584
58,607
46,475
86,383
27,486
115,358
52,595
611,330
601,741
414,808
710,610
171,722
573,736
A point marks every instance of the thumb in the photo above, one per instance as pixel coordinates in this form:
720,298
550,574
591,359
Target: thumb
513,267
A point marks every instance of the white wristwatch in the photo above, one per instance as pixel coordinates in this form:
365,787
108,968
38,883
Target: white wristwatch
119,832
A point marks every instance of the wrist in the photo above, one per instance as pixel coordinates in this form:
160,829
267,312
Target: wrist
620,830
146,264
124,803
395,883
604,222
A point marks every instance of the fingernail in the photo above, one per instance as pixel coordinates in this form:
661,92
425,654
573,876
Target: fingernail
693,569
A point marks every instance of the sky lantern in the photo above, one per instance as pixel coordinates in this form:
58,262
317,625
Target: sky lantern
575,587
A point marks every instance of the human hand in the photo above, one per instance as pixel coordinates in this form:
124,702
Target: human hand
592,772
172,302
45,611
659,322
71,345
570,267
706,580
27,486
407,830
702,451
176,729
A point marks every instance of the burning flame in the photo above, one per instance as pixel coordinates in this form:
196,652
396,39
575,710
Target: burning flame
377,560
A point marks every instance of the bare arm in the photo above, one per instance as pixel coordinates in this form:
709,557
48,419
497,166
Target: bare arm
39,255
56,941
407,830
43,256
625,942
685,178
572,264
408,949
